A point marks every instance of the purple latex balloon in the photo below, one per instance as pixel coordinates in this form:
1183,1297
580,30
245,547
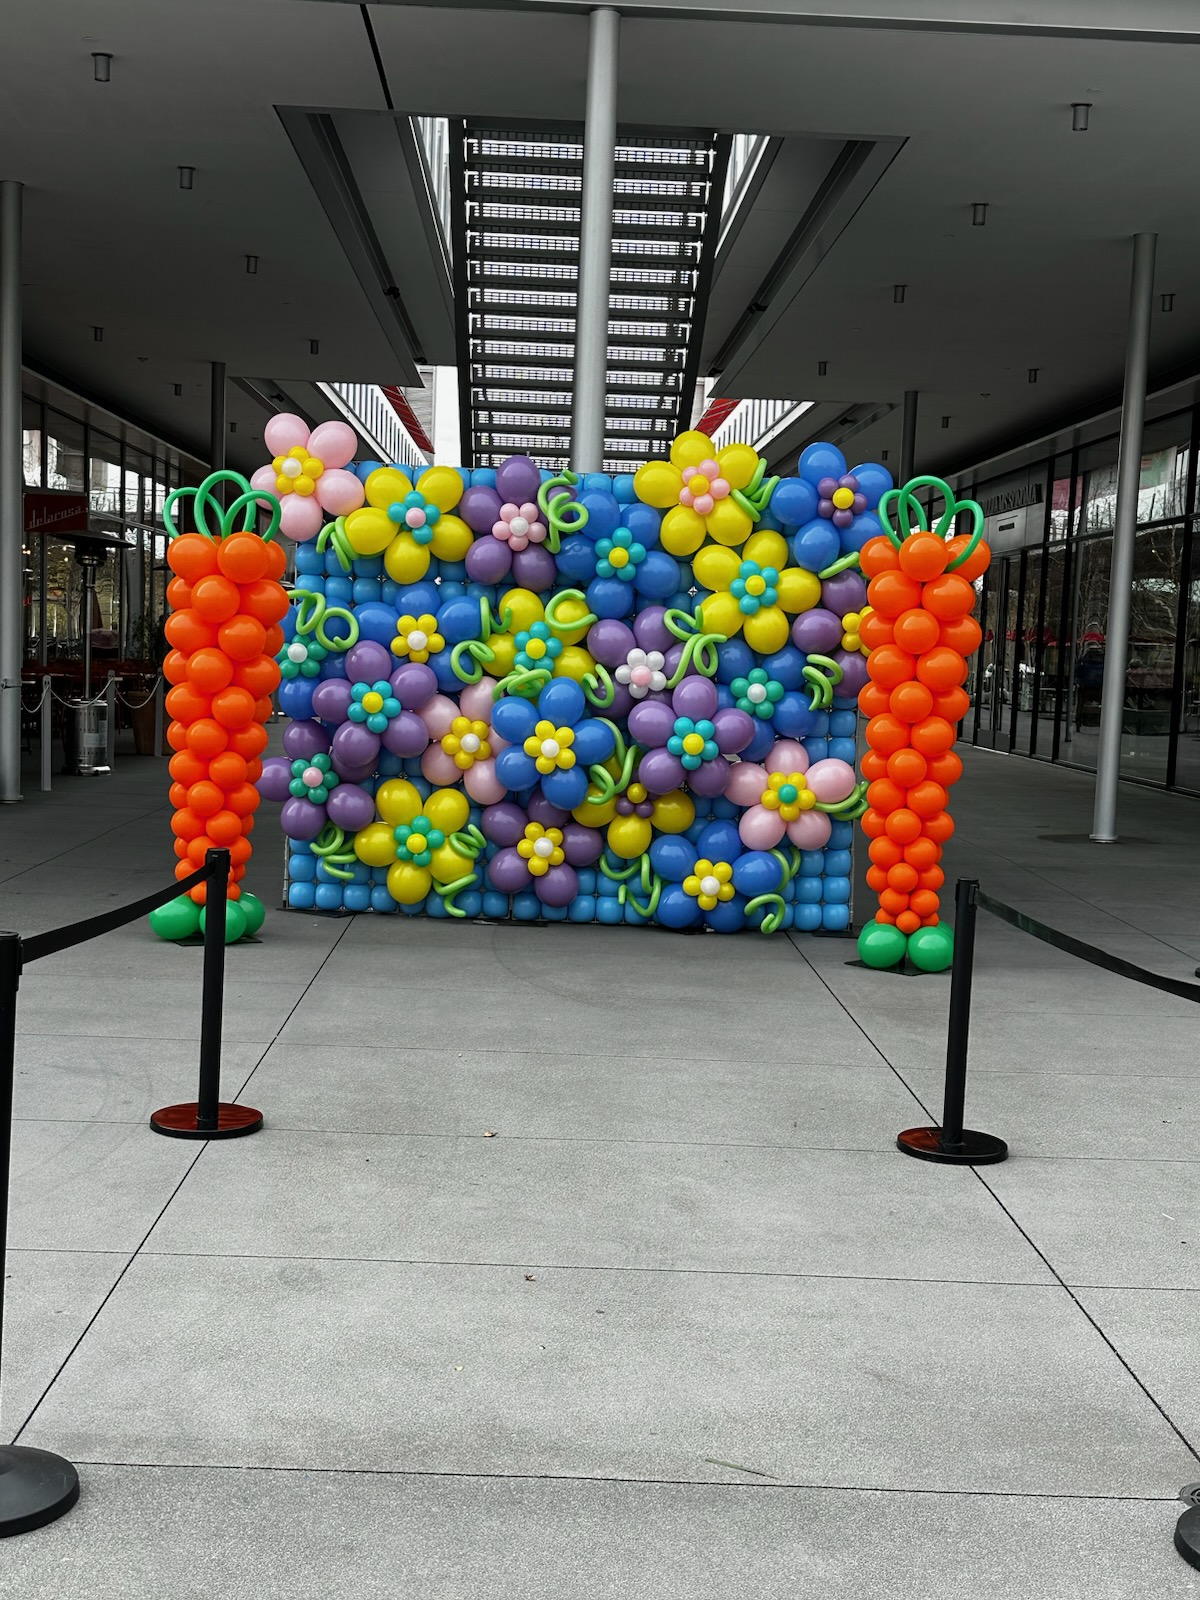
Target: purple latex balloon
734,730
660,771
540,810
489,560
610,641
503,823
354,748
845,591
368,662
413,684
480,508
651,632
623,704
533,567
695,697
276,777
710,777
652,722
300,819
331,702
827,487
854,674
350,807
406,735
581,845
303,740
518,480
674,656
842,519
817,630
508,872
557,886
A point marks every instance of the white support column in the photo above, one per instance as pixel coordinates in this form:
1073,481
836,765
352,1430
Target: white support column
595,245
1120,595
12,483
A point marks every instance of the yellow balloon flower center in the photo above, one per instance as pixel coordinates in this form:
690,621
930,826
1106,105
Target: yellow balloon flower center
693,744
843,498
535,649
618,557
635,794
372,701
697,484
756,585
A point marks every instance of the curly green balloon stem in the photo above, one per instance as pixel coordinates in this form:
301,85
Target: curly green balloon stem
628,762
468,842
207,502
626,896
599,687
700,651
330,848
618,737
603,780
618,876
909,508
843,564
829,666
449,891
334,533
351,621
488,622
822,690
527,682
478,652
562,514
789,867
773,919
555,625
311,608
681,623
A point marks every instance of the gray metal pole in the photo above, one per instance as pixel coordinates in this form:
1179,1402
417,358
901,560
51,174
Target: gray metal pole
216,427
1120,583
12,530
908,443
595,245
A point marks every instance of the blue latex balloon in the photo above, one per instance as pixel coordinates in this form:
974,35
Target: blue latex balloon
381,901
576,560
812,863
302,896
835,918
448,680
874,480
821,461
460,620
860,530
561,702
565,789
610,910
453,591
375,621
296,698
808,891
340,591
672,857
417,599
658,576
842,724
622,488
526,906
843,750
362,470
495,904
456,571
719,842
609,597
793,717
483,478
757,873
794,502
760,746
817,749
676,909
734,660
593,741
302,869
842,836
357,897
604,514
838,863
786,665
816,545
596,483
728,915
583,908
365,589
808,918
309,559
643,522
328,897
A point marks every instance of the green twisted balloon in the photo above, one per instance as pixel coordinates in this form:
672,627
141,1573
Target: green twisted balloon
906,504
206,502
334,533
562,514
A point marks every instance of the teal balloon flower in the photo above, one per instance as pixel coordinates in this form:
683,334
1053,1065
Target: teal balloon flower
620,556
313,779
416,514
417,840
537,647
755,587
374,704
757,693
301,659
693,742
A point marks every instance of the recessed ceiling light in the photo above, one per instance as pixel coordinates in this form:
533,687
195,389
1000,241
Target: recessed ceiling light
822,368
945,422
252,265
898,292
177,387
101,65
1079,115
1033,374
979,209
97,333
883,455
314,347
1168,302
187,176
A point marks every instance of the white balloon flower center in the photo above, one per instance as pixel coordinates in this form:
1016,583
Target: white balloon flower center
297,652
550,748
313,777
757,692
710,885
543,848
470,743
417,639
291,468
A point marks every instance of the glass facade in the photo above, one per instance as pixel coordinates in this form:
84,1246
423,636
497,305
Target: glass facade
1038,678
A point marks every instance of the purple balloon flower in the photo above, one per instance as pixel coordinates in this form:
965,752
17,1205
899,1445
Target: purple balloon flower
700,737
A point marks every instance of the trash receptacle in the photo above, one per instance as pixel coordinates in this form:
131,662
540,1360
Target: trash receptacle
85,742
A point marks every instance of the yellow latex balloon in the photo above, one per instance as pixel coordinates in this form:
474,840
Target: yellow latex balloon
720,613
657,483
526,609
716,566
404,560
386,485
369,531
407,883
446,864
397,801
690,448
798,590
728,523
769,549
375,844
504,647
570,610
451,537
767,630
448,809
442,487
674,812
595,816
628,837
738,464
682,531
574,663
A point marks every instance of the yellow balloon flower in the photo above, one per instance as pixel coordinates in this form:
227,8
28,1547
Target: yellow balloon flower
753,592
414,836
695,488
408,525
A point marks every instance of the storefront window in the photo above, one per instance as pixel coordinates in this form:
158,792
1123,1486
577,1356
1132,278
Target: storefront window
1187,749
104,484
64,453
31,441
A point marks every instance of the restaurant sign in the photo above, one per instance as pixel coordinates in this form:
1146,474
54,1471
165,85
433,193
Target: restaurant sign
55,511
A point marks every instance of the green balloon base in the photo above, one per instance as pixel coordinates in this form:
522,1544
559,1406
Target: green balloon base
881,945
181,919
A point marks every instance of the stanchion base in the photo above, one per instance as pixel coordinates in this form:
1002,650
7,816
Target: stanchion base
1187,1536
976,1149
183,1121
36,1487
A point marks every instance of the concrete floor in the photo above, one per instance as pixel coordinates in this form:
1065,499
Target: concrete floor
688,1323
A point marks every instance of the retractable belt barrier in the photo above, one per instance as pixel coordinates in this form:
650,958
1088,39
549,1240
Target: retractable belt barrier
37,1486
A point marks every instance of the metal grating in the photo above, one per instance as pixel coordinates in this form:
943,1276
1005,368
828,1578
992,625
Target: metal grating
516,258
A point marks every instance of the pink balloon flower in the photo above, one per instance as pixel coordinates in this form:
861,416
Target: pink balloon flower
519,526
306,473
783,794
464,747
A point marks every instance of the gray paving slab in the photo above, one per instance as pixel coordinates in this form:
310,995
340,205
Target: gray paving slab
65,1077
141,1533
152,1008
50,1297
90,1185
1123,1223
291,947
593,1204
1155,1331
657,1375
452,1090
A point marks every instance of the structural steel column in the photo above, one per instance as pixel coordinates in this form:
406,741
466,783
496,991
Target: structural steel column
595,245
12,522
1129,463
908,443
216,425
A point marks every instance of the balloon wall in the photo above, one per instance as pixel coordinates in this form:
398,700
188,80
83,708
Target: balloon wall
620,699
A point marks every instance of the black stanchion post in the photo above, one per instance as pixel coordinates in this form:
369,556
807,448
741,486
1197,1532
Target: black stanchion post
36,1487
952,1144
208,1117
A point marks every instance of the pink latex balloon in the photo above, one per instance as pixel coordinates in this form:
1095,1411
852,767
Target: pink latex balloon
787,755
483,785
284,432
831,780
301,517
746,784
340,492
438,714
477,702
264,478
761,829
333,443
438,767
810,831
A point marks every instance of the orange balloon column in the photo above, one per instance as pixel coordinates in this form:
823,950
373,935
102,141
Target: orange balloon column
227,603
920,632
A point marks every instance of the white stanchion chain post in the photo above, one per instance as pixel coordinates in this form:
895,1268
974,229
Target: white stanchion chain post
46,738
110,718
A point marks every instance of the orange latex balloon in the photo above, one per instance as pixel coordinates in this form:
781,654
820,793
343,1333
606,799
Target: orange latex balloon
932,735
885,795
186,703
939,828
877,879
187,768
945,769
209,670
908,922
215,598
175,666
187,825
902,876
902,825
179,594
205,798
254,770
240,852
267,601
192,556
249,742
889,665
244,558
948,597
907,767
911,701
199,848
276,560
941,668
243,800
927,798
931,878
242,638
872,699
872,824
224,828
875,630
893,592
892,900
916,630
233,708
873,765
273,643
976,563
879,555
181,848
953,704
885,852
962,634
207,737
188,631
228,770
263,708
923,556
177,794
887,734
923,853
199,894
177,736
